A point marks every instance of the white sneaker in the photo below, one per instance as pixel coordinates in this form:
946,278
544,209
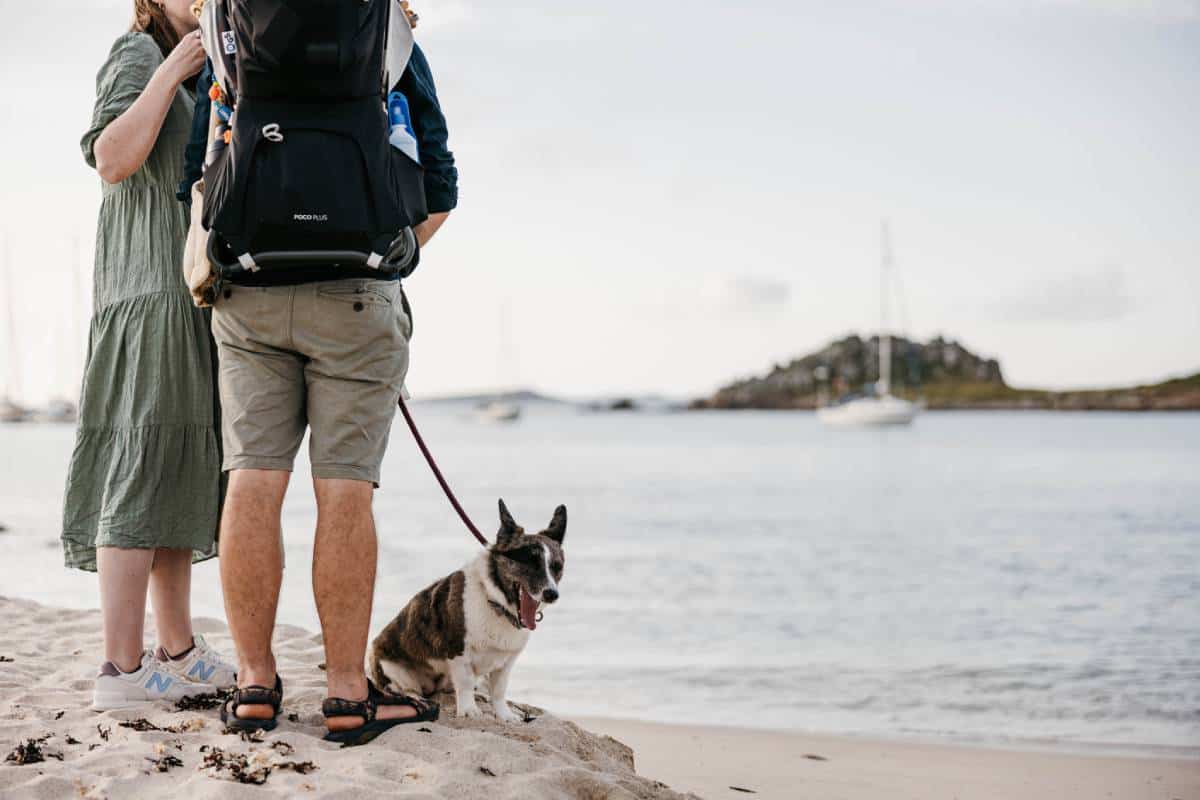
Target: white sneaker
152,681
202,664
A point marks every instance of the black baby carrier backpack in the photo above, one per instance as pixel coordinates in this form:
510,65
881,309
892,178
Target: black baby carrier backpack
308,184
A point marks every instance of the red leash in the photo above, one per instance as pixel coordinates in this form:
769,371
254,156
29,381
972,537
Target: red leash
437,473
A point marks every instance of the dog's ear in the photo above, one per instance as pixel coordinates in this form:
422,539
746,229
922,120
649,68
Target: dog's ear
510,531
558,525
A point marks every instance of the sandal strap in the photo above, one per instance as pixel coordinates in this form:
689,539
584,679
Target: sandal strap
340,707
367,709
259,696
382,698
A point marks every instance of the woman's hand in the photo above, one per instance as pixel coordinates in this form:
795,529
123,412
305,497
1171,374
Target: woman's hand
186,59
124,145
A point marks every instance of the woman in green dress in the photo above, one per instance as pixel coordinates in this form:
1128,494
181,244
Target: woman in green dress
144,488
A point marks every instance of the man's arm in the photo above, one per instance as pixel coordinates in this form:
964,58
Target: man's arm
429,125
425,231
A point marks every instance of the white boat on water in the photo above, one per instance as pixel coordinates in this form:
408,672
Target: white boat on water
882,407
59,410
11,412
498,411
503,405
866,411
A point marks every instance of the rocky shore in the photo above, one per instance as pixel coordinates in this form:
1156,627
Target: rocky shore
941,372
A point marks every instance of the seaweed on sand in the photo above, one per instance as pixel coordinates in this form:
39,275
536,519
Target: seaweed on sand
140,725
253,768
165,762
201,702
235,766
30,752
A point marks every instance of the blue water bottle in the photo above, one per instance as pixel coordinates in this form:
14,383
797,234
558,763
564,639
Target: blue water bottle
400,130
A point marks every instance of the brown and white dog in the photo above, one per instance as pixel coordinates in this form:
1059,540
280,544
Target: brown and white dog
473,623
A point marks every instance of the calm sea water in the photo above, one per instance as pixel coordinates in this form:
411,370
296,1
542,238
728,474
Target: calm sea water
980,576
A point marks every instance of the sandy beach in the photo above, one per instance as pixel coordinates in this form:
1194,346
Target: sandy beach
47,659
710,760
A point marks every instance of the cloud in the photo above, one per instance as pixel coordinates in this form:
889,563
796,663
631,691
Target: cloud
756,294
1099,295
436,15
1163,10
1168,11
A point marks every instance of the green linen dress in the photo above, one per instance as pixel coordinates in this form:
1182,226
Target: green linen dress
146,470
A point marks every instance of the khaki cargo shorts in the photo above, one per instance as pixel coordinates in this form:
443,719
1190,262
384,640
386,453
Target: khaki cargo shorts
329,356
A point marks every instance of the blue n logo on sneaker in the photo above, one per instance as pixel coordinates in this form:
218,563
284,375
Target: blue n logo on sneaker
159,682
202,671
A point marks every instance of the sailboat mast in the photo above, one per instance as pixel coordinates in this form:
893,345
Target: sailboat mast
885,338
13,389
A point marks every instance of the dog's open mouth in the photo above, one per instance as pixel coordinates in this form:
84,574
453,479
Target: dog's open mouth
529,609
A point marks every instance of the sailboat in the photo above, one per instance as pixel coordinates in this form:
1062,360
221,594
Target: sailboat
59,409
10,411
501,408
498,410
881,408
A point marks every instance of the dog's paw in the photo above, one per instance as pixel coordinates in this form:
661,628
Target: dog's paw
470,712
504,713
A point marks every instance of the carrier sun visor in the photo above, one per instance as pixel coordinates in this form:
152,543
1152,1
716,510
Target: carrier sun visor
220,45
399,46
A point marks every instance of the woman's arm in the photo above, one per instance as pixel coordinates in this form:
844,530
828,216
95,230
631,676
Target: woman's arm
126,142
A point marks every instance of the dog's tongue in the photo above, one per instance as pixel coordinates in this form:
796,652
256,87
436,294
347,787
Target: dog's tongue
529,608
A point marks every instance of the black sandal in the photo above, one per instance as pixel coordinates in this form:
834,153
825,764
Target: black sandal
253,696
427,711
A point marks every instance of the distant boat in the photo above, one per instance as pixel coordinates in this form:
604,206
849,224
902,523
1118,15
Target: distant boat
58,410
882,407
11,412
869,411
506,406
498,411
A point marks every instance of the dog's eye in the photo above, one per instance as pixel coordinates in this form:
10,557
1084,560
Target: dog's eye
557,566
524,555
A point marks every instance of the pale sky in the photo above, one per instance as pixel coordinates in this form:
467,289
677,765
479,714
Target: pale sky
669,195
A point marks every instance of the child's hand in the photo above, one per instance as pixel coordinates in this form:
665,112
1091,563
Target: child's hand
412,15
186,59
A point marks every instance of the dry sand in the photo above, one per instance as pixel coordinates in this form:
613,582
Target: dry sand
45,688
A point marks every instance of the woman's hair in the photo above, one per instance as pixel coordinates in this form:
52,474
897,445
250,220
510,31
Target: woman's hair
149,17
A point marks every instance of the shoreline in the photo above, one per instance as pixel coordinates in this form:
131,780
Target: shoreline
710,760
1137,750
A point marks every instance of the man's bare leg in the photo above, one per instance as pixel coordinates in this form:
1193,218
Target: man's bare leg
251,573
344,586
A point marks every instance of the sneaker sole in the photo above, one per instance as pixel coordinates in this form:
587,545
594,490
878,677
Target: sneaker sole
104,702
110,703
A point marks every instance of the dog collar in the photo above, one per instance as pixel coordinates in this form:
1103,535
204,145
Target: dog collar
512,618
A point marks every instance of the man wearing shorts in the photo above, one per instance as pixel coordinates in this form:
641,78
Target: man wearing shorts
328,355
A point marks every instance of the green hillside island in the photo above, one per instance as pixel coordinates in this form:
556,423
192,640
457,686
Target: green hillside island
942,373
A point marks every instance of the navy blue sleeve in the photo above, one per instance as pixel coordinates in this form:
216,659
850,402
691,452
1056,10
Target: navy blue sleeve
429,125
193,154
